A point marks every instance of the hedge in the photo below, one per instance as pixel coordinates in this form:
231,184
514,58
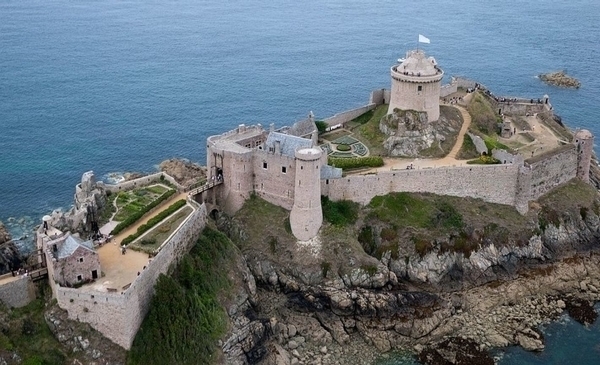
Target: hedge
139,214
355,162
154,221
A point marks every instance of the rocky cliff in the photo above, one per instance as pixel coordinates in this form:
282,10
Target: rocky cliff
336,299
10,258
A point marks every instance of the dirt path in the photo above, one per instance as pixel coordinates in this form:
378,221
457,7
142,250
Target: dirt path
399,163
461,135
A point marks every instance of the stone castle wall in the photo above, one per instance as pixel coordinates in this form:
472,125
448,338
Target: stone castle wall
380,97
18,292
142,181
271,183
492,183
552,169
238,180
348,115
119,315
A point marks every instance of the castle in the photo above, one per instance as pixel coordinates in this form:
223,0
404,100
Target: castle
272,164
287,168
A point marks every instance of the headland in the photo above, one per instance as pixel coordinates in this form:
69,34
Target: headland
395,225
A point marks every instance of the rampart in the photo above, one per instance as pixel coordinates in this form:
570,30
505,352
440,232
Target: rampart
455,84
552,169
119,315
492,183
380,97
17,292
348,115
142,181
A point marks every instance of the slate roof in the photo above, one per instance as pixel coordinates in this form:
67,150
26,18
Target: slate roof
302,128
71,243
288,144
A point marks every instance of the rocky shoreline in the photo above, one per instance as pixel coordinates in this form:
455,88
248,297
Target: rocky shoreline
498,297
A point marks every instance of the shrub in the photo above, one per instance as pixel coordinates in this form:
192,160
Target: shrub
447,217
388,234
339,213
484,160
139,214
343,147
422,245
154,221
369,269
185,319
356,162
325,267
321,126
148,241
366,239
583,211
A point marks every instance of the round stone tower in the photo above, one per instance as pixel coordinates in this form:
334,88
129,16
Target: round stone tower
306,216
585,148
416,85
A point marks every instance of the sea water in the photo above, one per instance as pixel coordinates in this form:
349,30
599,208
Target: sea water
115,86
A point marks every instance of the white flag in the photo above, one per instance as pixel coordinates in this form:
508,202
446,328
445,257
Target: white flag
423,39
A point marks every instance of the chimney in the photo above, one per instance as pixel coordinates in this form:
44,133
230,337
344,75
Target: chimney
278,147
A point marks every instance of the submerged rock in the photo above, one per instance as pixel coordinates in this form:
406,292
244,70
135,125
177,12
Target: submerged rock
560,78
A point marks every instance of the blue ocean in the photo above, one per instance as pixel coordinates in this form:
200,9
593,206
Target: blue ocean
115,86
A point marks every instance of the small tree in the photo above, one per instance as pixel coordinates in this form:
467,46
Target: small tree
321,126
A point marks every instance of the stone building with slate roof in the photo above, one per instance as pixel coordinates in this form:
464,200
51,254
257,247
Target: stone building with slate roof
74,261
250,160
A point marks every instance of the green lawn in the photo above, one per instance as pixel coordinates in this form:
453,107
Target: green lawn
132,201
155,238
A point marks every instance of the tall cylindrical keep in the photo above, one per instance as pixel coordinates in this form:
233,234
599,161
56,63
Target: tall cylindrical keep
306,216
416,83
585,148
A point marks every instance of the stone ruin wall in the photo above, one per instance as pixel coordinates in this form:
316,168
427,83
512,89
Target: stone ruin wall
17,293
492,183
118,316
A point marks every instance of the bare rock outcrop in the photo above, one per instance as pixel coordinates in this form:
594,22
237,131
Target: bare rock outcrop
4,235
10,257
90,198
183,171
560,78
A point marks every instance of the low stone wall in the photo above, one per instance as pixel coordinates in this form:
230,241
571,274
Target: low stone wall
118,316
348,115
479,143
448,89
380,97
506,157
492,183
17,293
142,181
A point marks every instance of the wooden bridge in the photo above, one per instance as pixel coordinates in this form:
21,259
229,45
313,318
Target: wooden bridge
205,187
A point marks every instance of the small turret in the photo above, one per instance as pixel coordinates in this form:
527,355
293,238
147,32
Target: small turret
584,140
